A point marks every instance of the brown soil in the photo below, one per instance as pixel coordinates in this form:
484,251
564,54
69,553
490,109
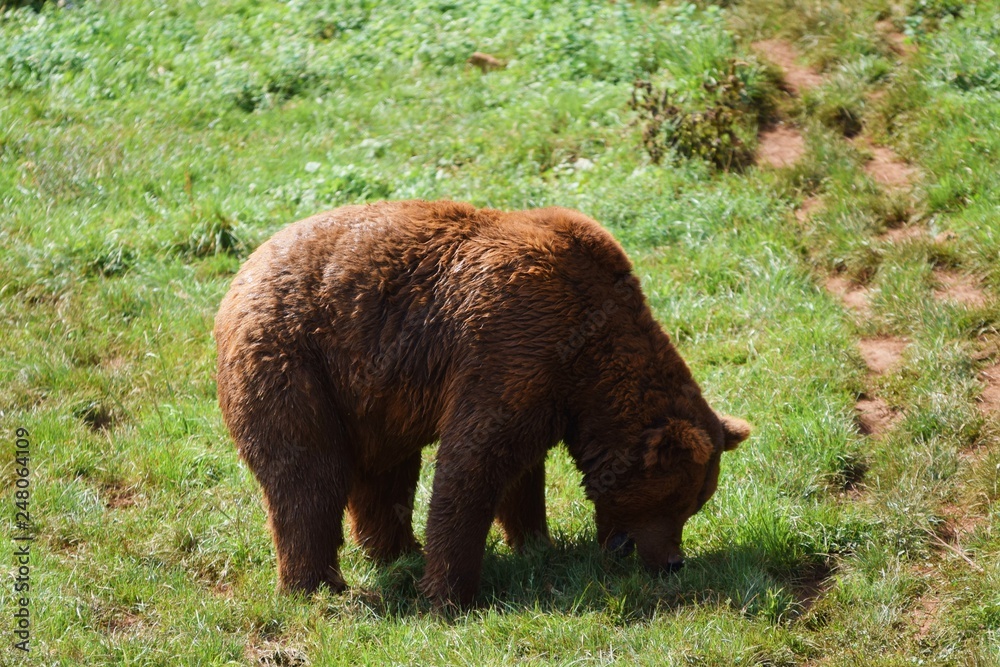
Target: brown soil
798,78
901,234
925,613
882,354
973,455
897,40
116,620
854,296
874,416
989,346
808,207
888,170
958,288
959,522
780,146
117,496
989,400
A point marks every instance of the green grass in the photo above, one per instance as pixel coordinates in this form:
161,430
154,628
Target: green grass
147,147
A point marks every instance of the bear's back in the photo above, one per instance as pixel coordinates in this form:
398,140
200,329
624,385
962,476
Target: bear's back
392,297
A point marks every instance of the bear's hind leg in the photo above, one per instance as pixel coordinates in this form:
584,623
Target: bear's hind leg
521,513
305,507
381,507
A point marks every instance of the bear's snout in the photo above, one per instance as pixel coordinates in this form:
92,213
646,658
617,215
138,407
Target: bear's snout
673,564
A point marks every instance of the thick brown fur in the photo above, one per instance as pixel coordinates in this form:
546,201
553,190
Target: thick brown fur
352,339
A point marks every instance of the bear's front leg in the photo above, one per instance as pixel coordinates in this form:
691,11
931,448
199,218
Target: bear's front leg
462,507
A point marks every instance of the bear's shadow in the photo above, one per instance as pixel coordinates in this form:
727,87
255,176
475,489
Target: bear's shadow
577,578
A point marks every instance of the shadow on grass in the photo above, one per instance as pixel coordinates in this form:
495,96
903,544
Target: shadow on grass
577,578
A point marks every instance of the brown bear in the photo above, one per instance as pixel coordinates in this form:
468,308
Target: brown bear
352,339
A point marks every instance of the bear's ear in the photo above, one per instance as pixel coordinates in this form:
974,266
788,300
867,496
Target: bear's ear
665,443
736,431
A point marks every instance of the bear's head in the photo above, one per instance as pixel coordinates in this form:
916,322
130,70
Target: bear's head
677,472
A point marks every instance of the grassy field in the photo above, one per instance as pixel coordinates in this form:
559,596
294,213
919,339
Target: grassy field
844,301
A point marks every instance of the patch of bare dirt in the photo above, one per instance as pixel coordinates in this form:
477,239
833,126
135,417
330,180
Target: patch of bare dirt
989,400
958,288
888,170
882,354
946,537
925,614
798,78
876,96
117,496
854,296
897,41
973,455
808,207
874,416
959,522
904,233
780,146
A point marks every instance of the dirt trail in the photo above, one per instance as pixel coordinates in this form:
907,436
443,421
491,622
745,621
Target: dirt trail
813,584
782,145
798,78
